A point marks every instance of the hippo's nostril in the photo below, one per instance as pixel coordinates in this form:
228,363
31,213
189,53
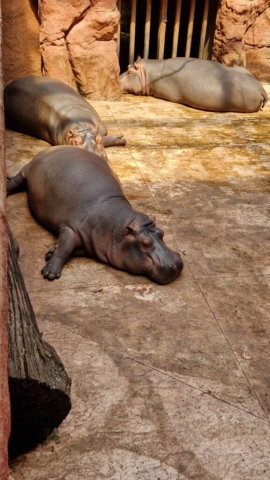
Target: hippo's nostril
178,265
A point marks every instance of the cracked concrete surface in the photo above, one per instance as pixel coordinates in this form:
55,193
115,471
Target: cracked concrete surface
168,382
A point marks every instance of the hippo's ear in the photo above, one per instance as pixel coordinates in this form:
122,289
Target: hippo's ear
133,228
70,133
153,219
136,64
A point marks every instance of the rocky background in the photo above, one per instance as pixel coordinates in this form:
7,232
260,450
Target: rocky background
75,41
242,35
72,40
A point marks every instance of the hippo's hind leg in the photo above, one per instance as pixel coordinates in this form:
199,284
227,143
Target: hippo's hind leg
113,140
58,255
17,183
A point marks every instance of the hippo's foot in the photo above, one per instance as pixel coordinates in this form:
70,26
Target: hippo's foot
50,253
17,183
114,140
52,270
59,253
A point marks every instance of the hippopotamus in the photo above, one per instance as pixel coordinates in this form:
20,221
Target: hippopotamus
197,83
75,194
49,109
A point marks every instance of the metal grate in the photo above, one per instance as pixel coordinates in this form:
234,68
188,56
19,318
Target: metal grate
165,28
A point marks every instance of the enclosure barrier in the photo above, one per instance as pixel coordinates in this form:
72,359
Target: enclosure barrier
162,26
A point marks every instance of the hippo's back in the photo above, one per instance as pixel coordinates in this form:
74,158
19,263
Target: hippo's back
35,105
65,183
209,85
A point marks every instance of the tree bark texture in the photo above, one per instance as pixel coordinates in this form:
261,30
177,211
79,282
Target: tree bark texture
38,383
4,395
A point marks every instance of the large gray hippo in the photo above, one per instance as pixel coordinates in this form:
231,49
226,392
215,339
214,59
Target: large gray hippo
49,109
200,84
75,194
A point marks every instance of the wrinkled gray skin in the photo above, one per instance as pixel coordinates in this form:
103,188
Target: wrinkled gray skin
75,194
200,84
49,109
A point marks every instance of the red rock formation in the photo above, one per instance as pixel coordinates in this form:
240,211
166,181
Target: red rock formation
257,41
78,45
242,35
20,45
75,42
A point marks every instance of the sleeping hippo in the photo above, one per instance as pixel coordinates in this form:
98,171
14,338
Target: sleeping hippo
49,109
75,194
200,84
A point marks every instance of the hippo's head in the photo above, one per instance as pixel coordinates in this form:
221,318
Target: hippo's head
88,138
134,79
142,251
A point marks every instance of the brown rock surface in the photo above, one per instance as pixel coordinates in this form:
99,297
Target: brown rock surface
78,45
20,40
257,40
243,22
92,48
75,42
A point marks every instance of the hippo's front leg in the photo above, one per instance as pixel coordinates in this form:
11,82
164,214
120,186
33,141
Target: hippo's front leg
58,255
113,140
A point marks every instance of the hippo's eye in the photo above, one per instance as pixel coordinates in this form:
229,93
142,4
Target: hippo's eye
159,233
146,243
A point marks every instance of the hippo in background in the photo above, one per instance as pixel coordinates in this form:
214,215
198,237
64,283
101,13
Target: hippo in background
200,84
51,110
75,194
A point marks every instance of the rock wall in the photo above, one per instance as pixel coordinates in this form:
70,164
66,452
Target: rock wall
4,395
242,35
20,45
74,41
78,44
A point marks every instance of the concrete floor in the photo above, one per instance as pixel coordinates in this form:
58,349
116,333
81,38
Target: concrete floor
168,382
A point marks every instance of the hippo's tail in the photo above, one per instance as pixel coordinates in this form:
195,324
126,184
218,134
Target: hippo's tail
17,183
265,99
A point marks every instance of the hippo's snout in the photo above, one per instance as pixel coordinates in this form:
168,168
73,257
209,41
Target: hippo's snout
93,143
166,273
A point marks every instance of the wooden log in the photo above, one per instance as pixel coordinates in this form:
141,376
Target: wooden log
147,28
190,28
132,31
38,383
176,28
162,29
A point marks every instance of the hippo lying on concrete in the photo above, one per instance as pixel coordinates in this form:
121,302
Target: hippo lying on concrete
49,109
200,84
75,194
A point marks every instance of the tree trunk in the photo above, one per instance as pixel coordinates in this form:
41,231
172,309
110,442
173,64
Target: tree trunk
38,383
